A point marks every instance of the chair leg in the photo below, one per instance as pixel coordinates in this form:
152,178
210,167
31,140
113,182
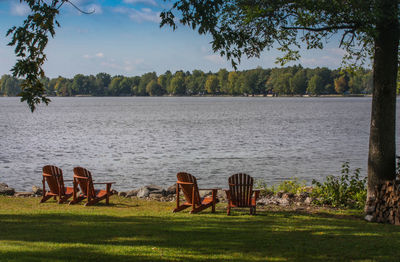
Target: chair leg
200,208
180,208
45,198
77,200
214,197
64,198
228,211
108,194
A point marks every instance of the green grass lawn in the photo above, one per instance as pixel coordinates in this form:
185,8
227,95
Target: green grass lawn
135,230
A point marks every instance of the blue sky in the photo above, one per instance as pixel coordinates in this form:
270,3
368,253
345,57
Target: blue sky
124,37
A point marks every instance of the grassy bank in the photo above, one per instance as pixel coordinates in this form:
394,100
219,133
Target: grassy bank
134,230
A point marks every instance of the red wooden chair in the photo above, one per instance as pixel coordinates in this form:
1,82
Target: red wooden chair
54,178
83,179
188,184
241,193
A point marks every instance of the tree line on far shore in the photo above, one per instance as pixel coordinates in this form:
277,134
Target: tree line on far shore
293,80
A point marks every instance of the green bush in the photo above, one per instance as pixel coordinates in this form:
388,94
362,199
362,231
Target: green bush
291,186
341,191
264,188
288,186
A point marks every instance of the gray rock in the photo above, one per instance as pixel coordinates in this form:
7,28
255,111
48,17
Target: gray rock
267,201
221,195
308,201
205,193
5,190
23,194
153,187
284,202
37,190
303,195
171,190
369,218
279,194
122,194
132,193
287,195
161,192
155,196
143,192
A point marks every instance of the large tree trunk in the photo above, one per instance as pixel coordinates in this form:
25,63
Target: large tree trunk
382,142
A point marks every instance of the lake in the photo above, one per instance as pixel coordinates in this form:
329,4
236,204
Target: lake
142,140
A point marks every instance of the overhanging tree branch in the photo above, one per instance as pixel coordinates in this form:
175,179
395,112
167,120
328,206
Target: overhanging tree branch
320,29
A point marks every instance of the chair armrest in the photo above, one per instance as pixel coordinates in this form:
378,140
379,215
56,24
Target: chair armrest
81,177
68,180
104,183
256,190
184,183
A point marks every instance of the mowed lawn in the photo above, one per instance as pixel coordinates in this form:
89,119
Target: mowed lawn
138,230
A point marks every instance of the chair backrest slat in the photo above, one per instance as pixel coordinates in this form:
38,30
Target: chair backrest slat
84,184
241,189
187,188
54,178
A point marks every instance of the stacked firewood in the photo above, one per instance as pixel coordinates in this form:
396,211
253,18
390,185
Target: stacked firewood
385,207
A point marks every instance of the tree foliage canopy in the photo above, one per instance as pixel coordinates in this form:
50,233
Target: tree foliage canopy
247,27
30,40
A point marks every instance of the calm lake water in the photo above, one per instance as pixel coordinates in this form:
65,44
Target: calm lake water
141,140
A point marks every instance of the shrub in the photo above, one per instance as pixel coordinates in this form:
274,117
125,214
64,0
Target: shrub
288,186
345,190
294,186
264,188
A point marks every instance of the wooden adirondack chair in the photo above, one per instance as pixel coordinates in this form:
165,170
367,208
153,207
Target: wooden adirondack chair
188,184
83,179
54,178
240,193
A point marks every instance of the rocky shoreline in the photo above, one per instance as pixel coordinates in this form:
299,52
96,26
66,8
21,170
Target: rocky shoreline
158,193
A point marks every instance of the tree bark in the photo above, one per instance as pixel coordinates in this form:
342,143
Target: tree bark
382,141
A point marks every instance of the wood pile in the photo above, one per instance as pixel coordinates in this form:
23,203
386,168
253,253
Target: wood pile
385,207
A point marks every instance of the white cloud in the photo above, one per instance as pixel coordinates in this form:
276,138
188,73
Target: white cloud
216,59
146,2
20,9
142,15
121,10
97,55
337,51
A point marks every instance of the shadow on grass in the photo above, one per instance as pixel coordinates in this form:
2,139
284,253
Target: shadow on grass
292,236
